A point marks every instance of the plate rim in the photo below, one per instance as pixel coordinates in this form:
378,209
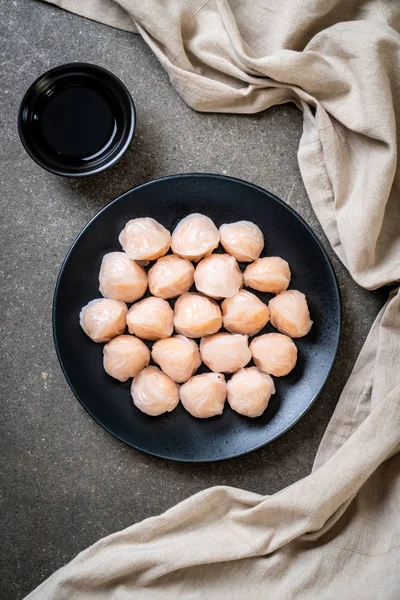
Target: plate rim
199,175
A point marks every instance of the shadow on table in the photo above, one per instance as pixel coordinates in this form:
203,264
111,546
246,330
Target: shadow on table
137,165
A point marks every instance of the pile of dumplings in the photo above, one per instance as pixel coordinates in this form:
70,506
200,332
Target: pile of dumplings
188,334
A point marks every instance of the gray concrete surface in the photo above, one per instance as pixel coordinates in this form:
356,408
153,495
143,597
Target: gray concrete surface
65,481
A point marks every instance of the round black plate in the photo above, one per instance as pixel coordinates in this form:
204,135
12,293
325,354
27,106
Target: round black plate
178,435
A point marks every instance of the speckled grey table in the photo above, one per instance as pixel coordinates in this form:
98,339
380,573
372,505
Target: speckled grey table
66,482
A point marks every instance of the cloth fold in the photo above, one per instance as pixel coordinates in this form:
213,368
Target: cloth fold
333,534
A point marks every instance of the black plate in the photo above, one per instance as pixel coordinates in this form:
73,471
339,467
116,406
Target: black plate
178,435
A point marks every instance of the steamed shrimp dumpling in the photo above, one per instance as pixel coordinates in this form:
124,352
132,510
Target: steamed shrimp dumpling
125,356
218,276
289,313
249,391
171,276
153,392
177,356
274,353
121,278
269,274
244,313
204,395
196,315
194,237
151,319
144,238
225,352
103,319
244,240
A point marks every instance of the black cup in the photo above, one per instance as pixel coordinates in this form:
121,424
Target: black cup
76,120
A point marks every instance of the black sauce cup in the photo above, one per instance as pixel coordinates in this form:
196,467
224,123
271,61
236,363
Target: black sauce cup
76,120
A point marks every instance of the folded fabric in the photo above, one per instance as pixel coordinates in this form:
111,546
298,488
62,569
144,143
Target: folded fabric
335,533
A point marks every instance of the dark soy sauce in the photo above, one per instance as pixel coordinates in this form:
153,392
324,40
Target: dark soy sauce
77,122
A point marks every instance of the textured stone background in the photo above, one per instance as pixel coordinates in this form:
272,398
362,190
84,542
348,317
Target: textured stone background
66,482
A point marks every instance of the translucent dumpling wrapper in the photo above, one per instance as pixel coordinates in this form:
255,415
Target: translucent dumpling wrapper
103,319
151,319
244,240
269,274
171,276
204,395
244,313
144,239
194,237
125,356
249,391
196,316
153,392
121,278
177,356
289,313
274,353
218,276
225,352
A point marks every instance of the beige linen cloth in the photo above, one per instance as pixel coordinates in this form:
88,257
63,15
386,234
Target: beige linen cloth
334,535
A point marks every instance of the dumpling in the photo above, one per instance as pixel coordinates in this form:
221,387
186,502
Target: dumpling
102,319
244,313
269,274
125,356
145,239
249,391
289,313
243,240
153,392
196,316
151,319
274,353
225,352
171,276
218,276
121,278
177,356
204,395
194,237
